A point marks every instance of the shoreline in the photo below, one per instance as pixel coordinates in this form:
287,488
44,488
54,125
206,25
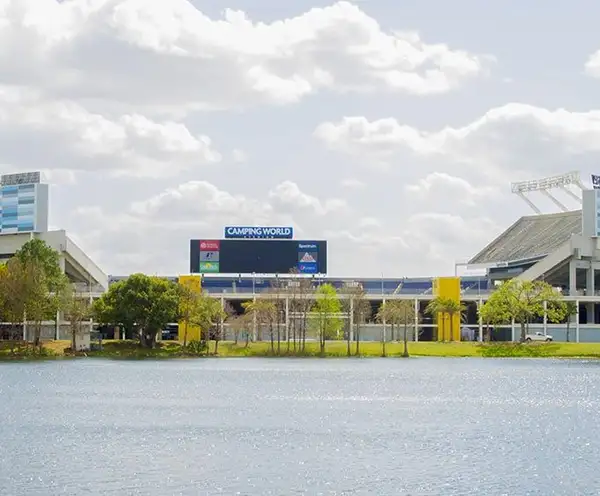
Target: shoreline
166,350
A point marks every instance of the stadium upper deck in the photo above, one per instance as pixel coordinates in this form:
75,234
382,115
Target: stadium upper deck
407,286
531,238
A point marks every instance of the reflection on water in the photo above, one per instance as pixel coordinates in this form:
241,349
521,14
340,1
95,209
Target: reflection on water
279,427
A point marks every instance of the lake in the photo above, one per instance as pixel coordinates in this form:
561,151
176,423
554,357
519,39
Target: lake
429,426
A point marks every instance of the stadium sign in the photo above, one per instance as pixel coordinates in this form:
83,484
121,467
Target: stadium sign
259,232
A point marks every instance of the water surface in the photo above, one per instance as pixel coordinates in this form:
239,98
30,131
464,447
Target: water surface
290,427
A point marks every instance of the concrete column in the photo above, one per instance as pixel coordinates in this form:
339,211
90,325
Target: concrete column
577,322
254,329
416,320
545,318
480,320
590,290
572,278
384,325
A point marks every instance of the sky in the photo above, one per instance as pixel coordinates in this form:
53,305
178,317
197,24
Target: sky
391,129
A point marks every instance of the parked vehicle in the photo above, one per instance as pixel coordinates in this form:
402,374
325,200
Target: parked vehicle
538,336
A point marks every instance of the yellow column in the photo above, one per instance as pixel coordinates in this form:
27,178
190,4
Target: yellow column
447,287
193,331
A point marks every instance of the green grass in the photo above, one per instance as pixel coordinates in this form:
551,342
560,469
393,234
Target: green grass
24,351
173,349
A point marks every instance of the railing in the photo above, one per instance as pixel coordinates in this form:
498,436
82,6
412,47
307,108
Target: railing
84,288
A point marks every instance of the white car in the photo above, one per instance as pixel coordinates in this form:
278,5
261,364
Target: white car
538,336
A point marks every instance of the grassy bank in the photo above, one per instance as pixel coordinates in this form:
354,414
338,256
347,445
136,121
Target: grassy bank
171,349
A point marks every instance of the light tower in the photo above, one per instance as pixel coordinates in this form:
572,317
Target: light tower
523,188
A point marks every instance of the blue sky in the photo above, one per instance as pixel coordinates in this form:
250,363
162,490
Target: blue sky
157,122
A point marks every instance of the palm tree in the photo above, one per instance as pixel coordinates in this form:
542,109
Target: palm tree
446,307
398,313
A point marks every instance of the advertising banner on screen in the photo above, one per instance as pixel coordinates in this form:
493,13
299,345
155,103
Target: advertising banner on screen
210,244
209,256
209,267
308,268
233,232
308,258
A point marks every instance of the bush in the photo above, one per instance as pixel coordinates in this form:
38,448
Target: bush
515,350
197,347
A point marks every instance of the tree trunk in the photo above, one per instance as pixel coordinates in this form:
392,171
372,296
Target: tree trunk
278,338
37,331
523,332
217,339
185,334
568,328
272,337
405,354
304,317
383,350
349,351
357,339
247,338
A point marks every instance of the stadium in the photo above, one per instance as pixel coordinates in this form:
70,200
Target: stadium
248,263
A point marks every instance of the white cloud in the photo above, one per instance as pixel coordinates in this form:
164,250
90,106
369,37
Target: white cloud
239,156
352,183
521,138
446,188
288,196
112,49
34,131
201,201
592,66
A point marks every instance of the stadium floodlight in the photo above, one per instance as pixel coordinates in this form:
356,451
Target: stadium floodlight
562,182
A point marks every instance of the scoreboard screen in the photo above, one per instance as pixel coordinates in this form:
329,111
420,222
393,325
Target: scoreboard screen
260,256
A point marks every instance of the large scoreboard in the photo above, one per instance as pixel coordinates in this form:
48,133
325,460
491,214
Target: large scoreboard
258,256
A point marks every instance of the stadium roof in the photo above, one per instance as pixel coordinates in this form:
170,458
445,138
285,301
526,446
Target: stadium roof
531,237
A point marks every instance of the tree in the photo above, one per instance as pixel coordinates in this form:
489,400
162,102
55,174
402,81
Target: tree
362,312
491,315
304,303
222,313
77,308
43,281
326,314
570,310
241,323
352,292
446,307
140,303
264,311
276,291
207,313
397,313
523,302
13,298
188,298
45,259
